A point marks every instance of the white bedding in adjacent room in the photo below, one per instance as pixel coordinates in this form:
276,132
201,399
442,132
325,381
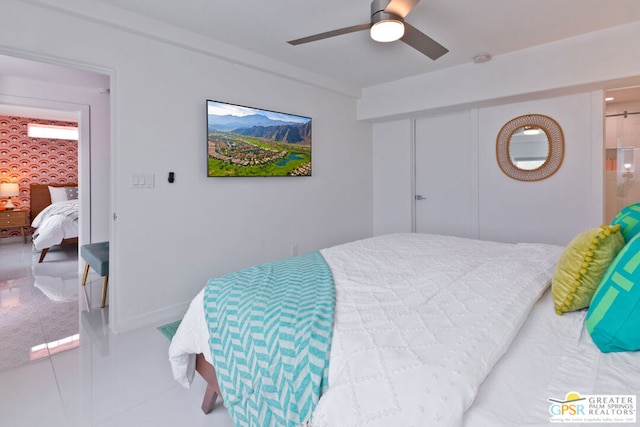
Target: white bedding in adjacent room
420,322
56,222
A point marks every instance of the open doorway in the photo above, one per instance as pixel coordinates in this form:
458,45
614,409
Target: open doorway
47,92
39,295
622,150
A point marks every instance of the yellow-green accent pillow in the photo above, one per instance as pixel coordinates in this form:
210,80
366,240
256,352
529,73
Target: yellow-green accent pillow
582,265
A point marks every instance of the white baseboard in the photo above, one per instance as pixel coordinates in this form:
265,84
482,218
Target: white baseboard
158,317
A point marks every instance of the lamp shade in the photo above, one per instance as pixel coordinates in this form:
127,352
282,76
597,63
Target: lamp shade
8,189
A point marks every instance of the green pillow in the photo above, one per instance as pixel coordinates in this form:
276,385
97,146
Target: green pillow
629,220
613,319
582,265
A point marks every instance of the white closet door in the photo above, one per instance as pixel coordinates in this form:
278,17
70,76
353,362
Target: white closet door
446,175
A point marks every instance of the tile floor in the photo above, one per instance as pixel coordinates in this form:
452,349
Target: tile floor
87,376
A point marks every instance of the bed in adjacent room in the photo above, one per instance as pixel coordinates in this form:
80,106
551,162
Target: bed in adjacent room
427,330
54,213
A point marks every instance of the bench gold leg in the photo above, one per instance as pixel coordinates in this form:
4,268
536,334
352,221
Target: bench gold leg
84,276
104,291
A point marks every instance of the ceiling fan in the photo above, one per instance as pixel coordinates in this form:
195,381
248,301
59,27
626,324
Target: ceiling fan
387,24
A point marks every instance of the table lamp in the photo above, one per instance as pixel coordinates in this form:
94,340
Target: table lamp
8,189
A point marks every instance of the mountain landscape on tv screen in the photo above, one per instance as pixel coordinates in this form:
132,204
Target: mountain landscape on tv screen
256,145
263,127
229,123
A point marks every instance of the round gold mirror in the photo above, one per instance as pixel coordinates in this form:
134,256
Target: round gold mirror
530,148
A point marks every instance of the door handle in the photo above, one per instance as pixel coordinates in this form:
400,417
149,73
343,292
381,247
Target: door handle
420,197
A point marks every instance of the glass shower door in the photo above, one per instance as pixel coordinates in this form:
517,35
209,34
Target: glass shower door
622,159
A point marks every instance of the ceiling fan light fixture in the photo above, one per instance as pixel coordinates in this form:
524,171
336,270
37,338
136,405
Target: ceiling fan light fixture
387,30
387,25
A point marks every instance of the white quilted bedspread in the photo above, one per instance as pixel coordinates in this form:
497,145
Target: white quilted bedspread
420,322
56,222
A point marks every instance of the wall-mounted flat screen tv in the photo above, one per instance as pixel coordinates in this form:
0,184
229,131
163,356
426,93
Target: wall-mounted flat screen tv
245,141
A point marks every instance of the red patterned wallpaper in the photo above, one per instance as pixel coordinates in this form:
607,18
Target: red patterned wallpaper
29,161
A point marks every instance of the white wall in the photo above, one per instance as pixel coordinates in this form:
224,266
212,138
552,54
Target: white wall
582,66
169,240
553,210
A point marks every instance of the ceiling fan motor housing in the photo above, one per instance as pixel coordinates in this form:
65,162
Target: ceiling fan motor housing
378,14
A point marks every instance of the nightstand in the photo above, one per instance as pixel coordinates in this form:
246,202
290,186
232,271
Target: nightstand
15,218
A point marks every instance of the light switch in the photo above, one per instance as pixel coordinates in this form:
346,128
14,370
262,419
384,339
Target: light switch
140,181
149,180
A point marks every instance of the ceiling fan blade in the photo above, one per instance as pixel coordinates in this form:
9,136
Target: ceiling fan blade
422,42
328,34
400,7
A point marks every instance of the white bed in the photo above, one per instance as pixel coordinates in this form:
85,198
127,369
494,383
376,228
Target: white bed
427,331
54,214
57,222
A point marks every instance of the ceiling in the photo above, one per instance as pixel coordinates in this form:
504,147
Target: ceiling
466,28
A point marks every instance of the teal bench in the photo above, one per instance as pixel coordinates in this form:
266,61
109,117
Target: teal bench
96,256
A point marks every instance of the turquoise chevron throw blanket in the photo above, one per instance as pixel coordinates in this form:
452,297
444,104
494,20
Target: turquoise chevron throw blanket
270,332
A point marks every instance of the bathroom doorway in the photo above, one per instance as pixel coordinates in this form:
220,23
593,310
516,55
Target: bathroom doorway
622,150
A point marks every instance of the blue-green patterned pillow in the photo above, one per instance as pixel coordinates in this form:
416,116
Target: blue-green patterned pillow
613,320
629,220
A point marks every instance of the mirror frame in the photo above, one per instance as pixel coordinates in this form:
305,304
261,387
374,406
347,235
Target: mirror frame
555,138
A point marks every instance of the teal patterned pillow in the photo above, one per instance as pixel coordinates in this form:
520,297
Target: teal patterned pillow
613,320
629,220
